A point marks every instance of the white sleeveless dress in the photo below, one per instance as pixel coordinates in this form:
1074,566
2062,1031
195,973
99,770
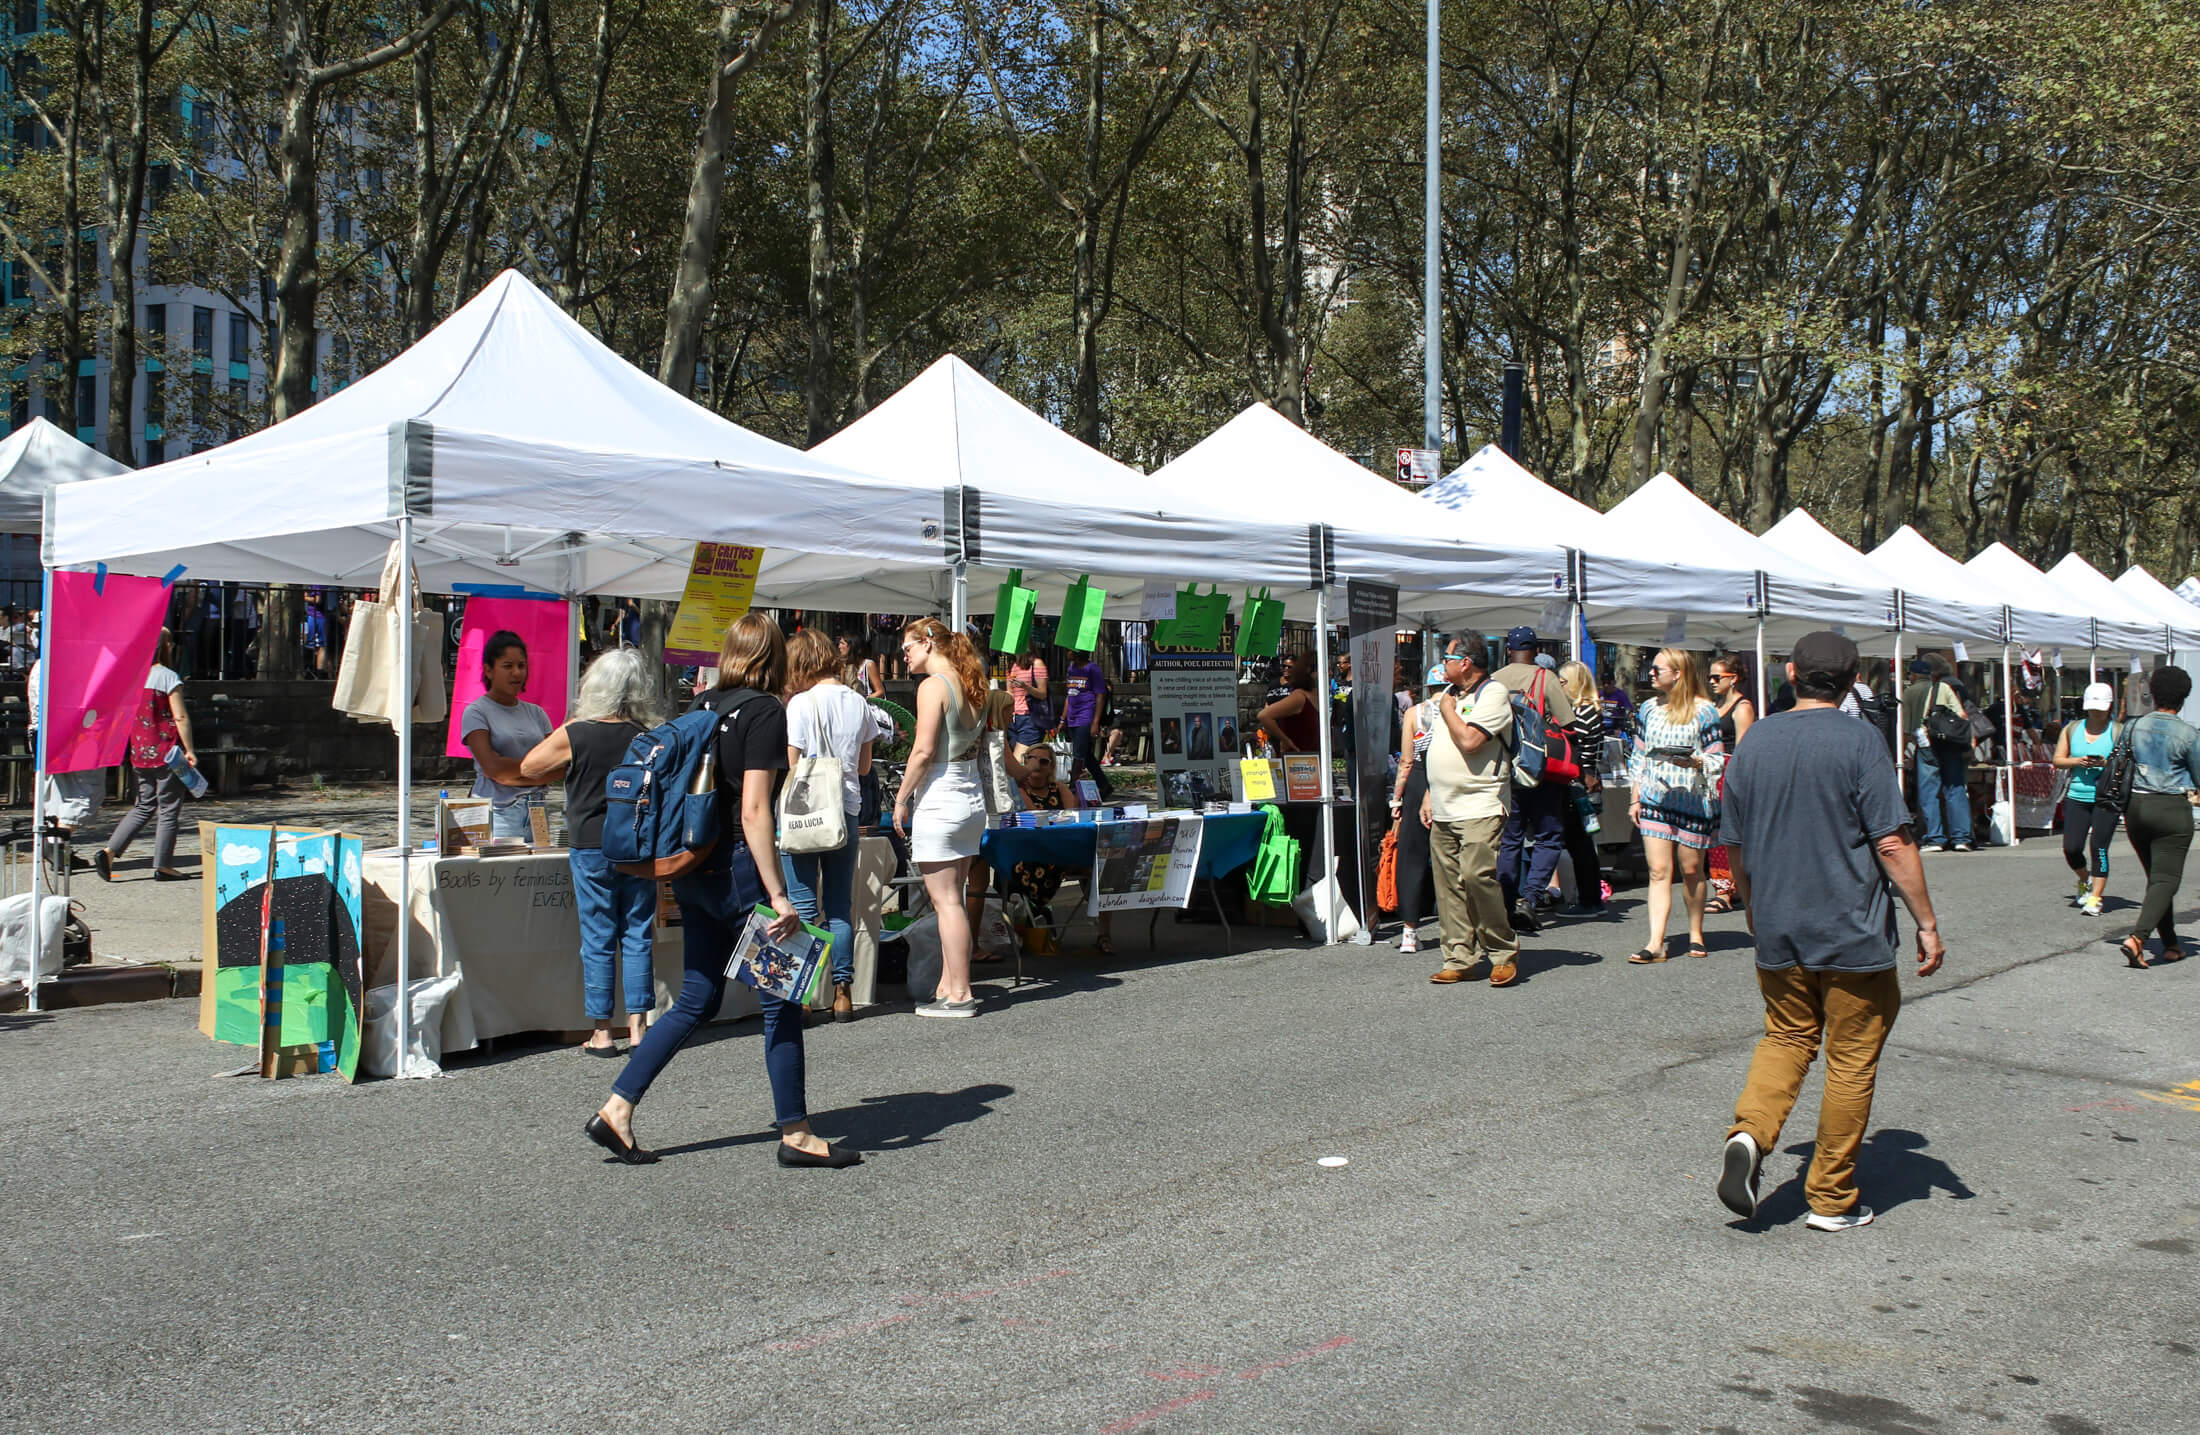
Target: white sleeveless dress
947,821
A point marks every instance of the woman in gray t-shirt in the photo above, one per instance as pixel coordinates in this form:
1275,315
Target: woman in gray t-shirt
499,728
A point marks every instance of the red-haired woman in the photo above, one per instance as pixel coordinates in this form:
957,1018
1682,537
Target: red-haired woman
940,808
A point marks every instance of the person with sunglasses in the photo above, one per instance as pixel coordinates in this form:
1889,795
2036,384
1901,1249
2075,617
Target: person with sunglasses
1731,691
1469,762
1674,768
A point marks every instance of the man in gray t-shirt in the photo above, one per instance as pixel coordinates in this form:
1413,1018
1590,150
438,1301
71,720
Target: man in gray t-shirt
1813,823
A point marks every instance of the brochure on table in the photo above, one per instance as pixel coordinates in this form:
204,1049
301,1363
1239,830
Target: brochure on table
1145,864
1195,720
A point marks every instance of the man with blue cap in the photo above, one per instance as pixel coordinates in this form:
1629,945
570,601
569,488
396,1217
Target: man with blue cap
1538,813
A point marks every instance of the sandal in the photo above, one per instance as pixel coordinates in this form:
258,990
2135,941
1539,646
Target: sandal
1699,951
1717,905
2170,954
2135,953
1647,958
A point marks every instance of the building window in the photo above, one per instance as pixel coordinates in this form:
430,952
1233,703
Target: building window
156,398
87,401
343,225
240,400
156,327
202,331
19,406
156,451
240,339
26,17
202,406
158,178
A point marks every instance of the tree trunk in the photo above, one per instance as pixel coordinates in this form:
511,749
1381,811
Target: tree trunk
298,269
1085,266
817,140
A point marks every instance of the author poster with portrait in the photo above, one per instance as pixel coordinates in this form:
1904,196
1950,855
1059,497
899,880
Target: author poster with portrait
1195,723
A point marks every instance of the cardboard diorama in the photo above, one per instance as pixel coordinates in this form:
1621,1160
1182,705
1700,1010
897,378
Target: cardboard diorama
282,945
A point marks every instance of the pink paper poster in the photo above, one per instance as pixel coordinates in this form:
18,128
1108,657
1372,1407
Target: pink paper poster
543,625
99,645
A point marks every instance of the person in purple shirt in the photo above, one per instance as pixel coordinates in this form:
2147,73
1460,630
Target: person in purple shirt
1086,687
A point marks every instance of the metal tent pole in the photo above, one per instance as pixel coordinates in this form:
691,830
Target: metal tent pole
1762,701
2009,739
38,790
958,610
1328,809
402,604
1901,738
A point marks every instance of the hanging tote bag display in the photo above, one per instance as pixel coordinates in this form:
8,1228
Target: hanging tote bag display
1081,607
1013,607
366,680
1198,621
1260,627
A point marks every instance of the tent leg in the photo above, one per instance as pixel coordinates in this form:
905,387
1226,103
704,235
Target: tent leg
1901,739
2093,666
1762,701
2009,738
402,602
1328,808
959,604
1573,631
38,794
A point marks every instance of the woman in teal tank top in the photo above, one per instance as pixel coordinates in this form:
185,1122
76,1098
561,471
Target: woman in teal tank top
2088,824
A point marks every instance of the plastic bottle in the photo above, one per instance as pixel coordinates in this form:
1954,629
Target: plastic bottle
193,780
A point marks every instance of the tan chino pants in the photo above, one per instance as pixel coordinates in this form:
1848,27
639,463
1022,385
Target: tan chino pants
1850,1014
1469,903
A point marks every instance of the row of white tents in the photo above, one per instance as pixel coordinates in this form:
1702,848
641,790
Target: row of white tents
510,447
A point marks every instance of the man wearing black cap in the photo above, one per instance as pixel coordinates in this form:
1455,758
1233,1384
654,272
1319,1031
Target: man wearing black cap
1538,812
1813,824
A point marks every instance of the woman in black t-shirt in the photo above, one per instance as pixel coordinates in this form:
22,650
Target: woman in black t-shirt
617,703
717,898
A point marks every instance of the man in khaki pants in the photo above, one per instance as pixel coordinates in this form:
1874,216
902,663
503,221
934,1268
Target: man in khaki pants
1469,792
1813,823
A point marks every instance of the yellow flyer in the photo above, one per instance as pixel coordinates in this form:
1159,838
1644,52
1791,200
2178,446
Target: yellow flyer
1259,777
721,584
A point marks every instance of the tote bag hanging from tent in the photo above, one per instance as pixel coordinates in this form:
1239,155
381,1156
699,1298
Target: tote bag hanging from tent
366,680
1013,607
1260,627
1080,627
1198,621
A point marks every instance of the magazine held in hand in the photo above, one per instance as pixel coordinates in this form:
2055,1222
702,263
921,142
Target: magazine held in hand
791,970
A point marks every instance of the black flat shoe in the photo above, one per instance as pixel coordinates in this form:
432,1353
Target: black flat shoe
603,1051
599,1131
835,1157
103,862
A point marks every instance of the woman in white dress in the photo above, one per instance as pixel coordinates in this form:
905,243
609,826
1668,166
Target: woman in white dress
940,808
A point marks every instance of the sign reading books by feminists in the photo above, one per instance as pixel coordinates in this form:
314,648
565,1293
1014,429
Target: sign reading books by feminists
1144,864
721,586
1195,725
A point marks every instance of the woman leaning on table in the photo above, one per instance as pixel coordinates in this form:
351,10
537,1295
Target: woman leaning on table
716,901
1675,765
940,808
617,910
2165,786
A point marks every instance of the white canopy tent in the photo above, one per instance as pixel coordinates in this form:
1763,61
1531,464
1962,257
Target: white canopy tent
1494,494
2115,609
2149,593
2116,631
1931,606
36,458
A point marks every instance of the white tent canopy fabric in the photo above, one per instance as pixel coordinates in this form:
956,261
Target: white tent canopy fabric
1715,577
2149,593
34,459
1932,606
527,452
2134,628
1927,570
1025,494
1500,498
2031,589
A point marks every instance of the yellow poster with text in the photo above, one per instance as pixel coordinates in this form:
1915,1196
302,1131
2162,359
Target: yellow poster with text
721,584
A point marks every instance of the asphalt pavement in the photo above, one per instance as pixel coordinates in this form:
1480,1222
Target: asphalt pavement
1098,1208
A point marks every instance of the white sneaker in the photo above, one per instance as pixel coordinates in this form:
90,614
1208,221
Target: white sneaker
949,1009
1849,1220
2090,905
1411,941
1738,1174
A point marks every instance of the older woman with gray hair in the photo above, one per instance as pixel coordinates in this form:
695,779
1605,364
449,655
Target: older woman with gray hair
618,702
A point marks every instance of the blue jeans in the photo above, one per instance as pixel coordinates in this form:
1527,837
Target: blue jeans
715,904
1537,812
1941,783
512,821
827,880
1024,729
616,911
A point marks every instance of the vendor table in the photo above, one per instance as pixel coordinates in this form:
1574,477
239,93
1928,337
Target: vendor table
507,925
1226,843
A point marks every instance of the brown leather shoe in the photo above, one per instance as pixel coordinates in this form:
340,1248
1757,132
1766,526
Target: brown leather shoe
1505,975
1474,973
844,1007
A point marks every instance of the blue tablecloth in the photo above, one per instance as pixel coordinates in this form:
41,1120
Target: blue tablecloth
1227,844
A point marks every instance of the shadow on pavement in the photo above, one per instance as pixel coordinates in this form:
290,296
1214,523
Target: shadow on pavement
878,1123
1892,1170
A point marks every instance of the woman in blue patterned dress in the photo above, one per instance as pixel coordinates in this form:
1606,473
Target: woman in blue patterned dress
1674,765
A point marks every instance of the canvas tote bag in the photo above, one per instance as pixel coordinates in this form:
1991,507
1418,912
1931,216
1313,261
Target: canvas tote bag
366,680
812,815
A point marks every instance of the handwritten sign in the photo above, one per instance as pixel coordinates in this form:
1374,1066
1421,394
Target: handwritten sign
721,586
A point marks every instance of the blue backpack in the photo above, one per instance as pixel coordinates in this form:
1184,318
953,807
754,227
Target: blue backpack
661,805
